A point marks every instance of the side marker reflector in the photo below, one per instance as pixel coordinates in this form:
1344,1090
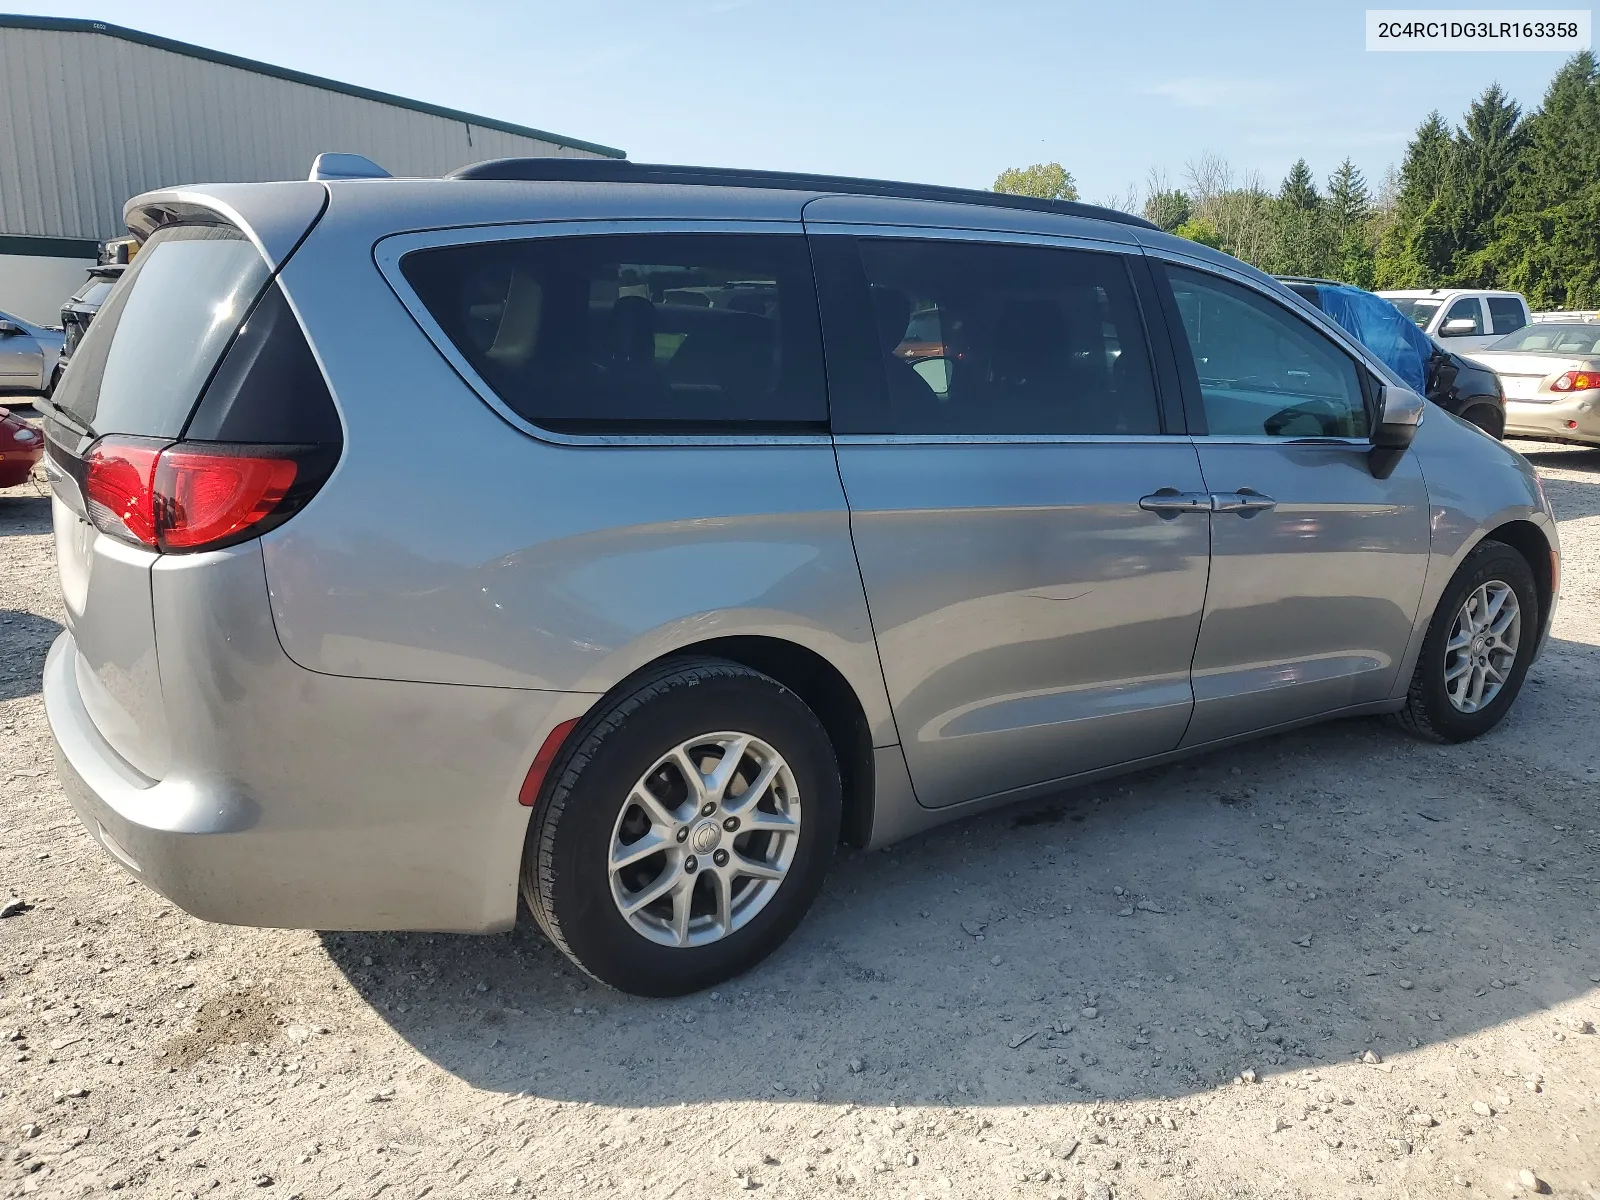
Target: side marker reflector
541,763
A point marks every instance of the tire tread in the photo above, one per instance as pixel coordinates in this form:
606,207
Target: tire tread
1416,717
583,744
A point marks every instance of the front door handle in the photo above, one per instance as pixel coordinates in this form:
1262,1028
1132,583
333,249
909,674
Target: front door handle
1246,502
1169,503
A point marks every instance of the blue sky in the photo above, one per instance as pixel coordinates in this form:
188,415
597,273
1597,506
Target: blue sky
934,91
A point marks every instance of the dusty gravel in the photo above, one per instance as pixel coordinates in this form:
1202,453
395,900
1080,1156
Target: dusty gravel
1334,963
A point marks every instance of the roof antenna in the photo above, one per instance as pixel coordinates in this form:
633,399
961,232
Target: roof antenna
330,165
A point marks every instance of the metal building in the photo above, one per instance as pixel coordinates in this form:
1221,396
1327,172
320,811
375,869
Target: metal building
91,114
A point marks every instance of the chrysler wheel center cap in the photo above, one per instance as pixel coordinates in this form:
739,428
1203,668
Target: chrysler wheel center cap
705,837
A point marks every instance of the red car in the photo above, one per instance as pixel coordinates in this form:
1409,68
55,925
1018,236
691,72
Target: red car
21,446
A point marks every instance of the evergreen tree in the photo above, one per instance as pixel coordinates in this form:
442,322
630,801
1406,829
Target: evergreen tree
1547,240
1349,202
1563,137
1299,191
1429,163
1489,147
1168,209
1349,234
1300,242
1356,262
1407,256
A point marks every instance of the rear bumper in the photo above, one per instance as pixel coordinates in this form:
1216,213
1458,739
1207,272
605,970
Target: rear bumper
302,800
120,808
1549,421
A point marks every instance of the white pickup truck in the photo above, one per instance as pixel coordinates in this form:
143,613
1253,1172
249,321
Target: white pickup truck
1462,318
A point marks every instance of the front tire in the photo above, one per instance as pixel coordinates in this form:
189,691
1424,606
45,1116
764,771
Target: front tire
1477,649
684,829
1487,418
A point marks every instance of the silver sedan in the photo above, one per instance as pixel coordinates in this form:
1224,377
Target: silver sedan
1551,373
28,355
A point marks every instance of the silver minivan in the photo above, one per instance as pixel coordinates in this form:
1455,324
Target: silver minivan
627,538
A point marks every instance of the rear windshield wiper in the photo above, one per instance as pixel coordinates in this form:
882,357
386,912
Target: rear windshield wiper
71,420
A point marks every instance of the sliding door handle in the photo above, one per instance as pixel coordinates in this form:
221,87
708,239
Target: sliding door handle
1246,502
1169,502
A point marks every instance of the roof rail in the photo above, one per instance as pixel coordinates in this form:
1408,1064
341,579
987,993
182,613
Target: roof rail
589,170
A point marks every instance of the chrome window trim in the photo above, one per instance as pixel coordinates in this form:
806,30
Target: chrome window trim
1239,439
1008,439
389,250
1093,439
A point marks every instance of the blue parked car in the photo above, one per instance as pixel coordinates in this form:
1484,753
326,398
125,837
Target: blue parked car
1458,385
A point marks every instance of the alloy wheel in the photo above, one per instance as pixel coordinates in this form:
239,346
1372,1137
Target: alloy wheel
705,839
1483,646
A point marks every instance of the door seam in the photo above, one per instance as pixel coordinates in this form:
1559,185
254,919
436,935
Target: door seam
866,600
1205,595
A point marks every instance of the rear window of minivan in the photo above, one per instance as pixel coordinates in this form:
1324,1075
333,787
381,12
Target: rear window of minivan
639,332
156,340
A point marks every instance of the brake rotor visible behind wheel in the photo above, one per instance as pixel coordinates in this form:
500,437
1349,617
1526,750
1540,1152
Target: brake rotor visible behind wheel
1479,644
685,829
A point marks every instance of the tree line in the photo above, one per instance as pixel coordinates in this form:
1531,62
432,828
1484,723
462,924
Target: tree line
1505,199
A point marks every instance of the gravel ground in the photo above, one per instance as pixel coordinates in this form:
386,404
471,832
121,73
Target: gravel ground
1333,963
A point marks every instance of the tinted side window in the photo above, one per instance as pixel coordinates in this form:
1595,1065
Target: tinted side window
981,338
1506,314
1467,308
649,332
1264,372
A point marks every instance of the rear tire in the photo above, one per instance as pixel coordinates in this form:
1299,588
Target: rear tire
732,875
1466,677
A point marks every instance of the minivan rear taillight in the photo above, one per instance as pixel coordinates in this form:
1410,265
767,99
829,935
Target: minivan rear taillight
187,496
207,497
119,486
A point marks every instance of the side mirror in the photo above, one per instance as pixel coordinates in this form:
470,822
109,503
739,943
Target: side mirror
1458,327
935,373
7,327
1399,413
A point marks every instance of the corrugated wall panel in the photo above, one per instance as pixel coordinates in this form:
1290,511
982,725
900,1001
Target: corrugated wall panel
88,120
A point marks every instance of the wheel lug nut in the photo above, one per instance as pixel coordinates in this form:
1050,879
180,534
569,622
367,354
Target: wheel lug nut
683,834
731,824
720,858
708,809
691,864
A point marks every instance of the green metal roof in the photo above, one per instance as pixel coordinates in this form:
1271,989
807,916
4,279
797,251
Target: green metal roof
77,25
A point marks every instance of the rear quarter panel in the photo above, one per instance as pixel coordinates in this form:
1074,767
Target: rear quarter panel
450,547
